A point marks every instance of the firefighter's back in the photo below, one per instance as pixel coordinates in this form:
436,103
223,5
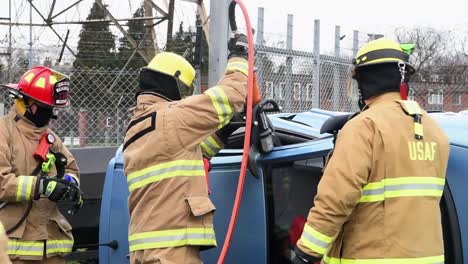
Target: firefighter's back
398,215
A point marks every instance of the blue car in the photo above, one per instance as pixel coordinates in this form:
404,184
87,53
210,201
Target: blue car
279,191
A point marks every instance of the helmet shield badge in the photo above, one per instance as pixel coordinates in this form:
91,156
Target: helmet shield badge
61,92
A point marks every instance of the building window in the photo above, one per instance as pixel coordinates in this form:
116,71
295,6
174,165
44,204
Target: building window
456,99
279,91
436,97
308,92
269,89
297,91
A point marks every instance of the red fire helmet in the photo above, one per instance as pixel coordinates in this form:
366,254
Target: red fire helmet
43,85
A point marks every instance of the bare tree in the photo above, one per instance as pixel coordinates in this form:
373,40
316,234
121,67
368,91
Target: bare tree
432,49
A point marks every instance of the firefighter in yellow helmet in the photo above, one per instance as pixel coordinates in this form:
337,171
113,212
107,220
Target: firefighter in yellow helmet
36,171
378,200
171,216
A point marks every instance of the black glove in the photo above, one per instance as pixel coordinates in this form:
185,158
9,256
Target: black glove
238,46
228,129
76,196
303,258
53,188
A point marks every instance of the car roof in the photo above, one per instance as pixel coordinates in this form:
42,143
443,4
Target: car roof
455,125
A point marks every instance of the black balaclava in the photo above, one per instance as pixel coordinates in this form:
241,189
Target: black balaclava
42,116
155,82
377,79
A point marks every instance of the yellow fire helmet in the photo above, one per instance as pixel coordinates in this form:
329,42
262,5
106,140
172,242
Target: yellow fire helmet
384,50
175,66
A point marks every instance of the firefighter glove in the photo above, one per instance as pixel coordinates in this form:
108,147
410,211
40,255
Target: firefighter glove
228,129
238,46
303,258
76,196
53,188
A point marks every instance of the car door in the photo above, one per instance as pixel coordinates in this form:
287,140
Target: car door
291,175
248,244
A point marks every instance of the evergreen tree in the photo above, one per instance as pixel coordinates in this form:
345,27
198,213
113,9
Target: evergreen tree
181,42
136,29
96,46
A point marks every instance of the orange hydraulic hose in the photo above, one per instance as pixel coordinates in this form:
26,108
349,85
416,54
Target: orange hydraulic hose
248,129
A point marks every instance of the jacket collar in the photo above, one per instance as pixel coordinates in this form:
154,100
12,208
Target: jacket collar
26,127
149,99
383,99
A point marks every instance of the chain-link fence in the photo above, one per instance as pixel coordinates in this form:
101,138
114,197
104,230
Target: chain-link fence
298,81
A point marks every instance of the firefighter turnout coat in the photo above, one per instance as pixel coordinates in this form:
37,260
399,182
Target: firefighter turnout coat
378,200
168,203
19,139
4,259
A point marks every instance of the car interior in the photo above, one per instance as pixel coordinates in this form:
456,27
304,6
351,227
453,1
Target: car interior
290,190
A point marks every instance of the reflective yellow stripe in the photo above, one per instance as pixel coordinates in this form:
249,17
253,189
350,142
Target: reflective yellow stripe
402,187
207,149
172,238
238,66
25,248
25,185
210,146
221,105
59,246
178,168
426,260
315,240
418,129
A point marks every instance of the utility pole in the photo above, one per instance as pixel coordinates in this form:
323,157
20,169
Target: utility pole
219,35
150,40
170,21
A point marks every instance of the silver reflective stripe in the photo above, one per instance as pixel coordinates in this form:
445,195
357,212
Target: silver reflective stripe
25,189
220,102
404,187
414,186
315,240
171,238
239,66
165,170
209,147
374,192
59,247
25,248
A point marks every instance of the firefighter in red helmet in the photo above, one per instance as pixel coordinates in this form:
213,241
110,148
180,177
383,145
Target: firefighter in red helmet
36,170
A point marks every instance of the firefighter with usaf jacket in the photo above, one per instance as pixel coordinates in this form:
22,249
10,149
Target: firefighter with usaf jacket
36,171
171,216
378,200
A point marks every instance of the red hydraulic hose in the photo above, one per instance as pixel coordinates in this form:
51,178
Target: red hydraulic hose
248,129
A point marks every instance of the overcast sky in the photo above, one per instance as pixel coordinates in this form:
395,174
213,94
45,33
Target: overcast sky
367,16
